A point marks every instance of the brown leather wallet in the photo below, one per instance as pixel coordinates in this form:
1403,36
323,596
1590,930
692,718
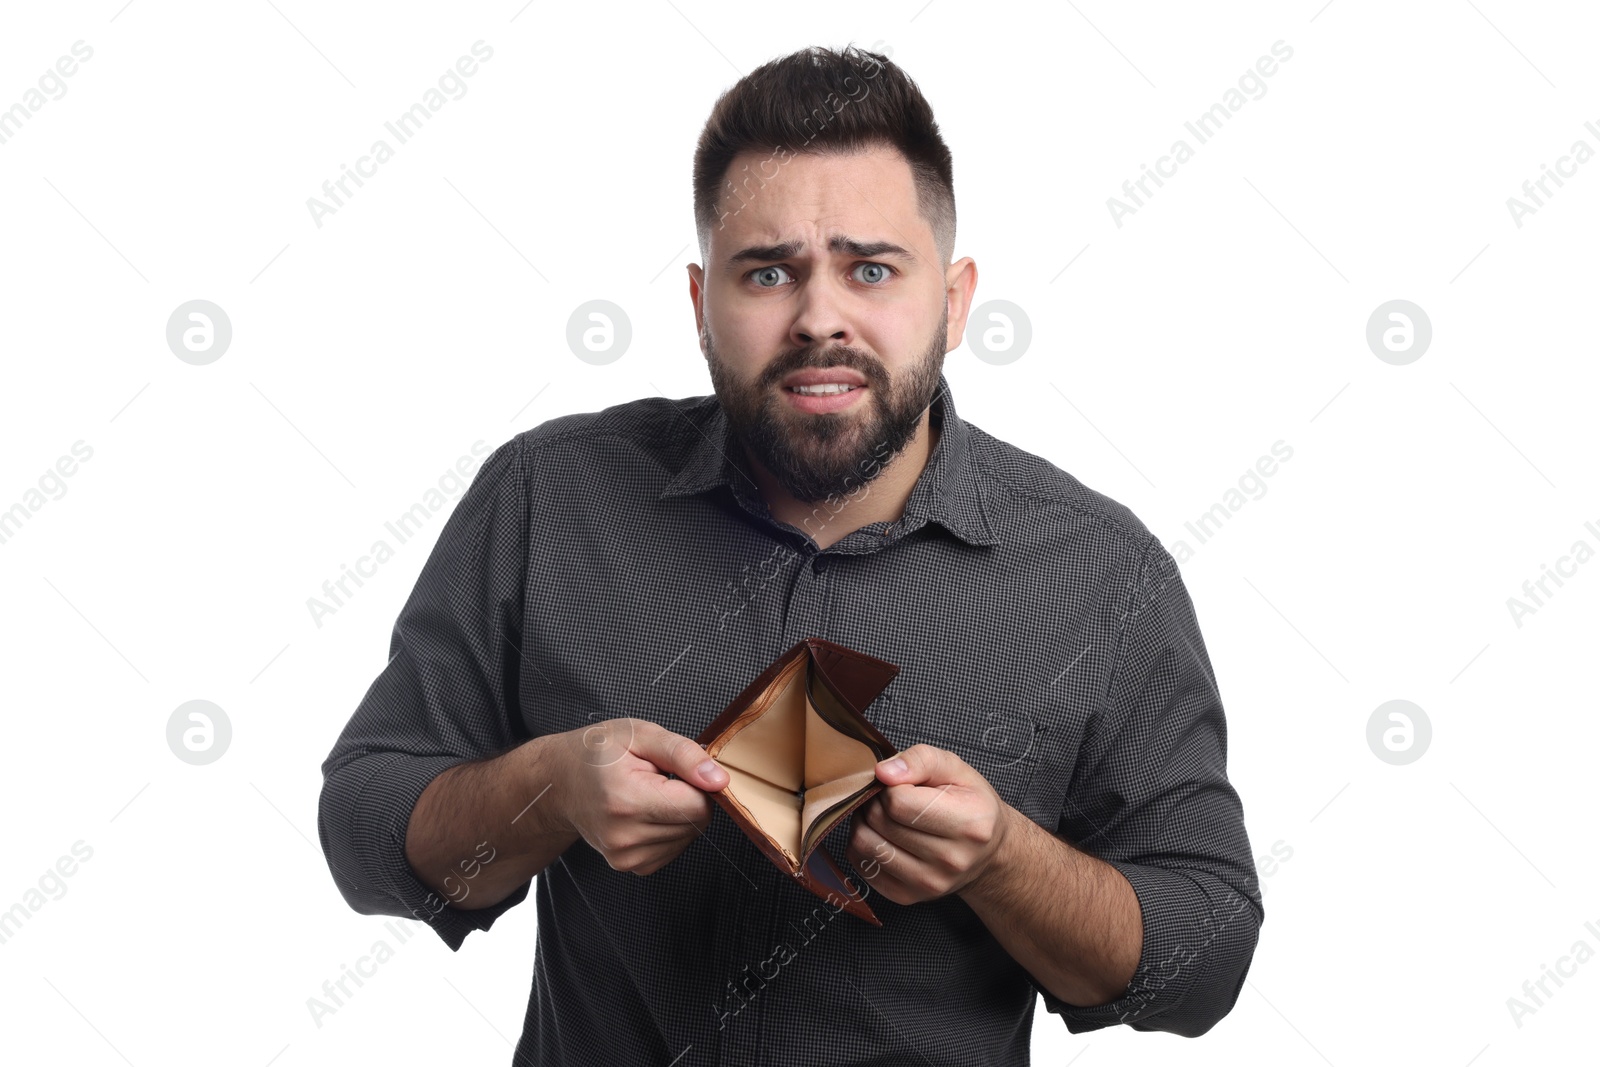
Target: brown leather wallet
801,756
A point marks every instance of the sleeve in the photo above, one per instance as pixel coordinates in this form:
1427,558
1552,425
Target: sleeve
448,695
1150,795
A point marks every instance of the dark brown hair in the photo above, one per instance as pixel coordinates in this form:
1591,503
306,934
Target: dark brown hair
821,100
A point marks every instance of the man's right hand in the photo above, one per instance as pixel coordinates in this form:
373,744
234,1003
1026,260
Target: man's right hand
614,790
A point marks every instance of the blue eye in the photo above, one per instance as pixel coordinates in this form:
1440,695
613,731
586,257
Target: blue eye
873,273
768,277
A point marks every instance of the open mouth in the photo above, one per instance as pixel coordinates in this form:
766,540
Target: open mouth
828,389
824,397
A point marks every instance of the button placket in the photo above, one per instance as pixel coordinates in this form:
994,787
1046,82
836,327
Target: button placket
806,616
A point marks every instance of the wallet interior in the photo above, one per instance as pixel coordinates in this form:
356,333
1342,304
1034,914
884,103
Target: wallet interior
798,761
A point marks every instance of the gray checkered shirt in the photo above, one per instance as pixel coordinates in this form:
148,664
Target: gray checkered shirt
622,562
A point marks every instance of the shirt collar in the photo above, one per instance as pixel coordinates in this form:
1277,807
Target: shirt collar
949,490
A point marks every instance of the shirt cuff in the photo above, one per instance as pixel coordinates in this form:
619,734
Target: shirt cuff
1193,946
382,814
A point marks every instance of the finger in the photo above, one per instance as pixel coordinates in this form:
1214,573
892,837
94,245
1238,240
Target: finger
921,764
675,754
676,802
646,858
627,841
931,809
877,859
652,862
921,843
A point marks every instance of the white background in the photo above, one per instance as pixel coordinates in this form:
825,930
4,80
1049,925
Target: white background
430,312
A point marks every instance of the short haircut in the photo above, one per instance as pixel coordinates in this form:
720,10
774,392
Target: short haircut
819,101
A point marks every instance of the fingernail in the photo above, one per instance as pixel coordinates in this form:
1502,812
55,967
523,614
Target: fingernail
895,766
711,772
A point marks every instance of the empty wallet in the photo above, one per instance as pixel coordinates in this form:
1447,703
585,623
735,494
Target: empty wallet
801,756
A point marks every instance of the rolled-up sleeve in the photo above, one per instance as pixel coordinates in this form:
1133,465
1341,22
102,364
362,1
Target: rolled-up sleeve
448,695
1150,795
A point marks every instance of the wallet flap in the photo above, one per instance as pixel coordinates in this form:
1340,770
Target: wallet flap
854,677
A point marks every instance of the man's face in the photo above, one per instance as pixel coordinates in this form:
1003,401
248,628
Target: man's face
823,311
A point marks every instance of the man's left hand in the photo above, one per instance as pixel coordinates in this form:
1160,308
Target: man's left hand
936,827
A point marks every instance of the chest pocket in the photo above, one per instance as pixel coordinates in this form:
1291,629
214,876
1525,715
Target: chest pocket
1004,747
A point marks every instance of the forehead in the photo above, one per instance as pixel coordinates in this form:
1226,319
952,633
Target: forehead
869,194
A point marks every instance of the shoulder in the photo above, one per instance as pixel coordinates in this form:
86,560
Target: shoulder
653,429
1057,522
1032,498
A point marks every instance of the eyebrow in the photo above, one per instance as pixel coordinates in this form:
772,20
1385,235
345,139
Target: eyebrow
848,245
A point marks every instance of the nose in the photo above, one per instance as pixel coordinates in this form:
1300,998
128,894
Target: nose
820,317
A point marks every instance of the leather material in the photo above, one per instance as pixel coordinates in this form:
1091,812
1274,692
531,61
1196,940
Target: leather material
801,755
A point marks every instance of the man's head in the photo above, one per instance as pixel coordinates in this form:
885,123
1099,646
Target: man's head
826,214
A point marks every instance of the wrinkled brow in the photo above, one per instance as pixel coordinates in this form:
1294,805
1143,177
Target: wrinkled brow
848,245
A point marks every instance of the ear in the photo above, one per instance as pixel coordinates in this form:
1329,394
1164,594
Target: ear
960,280
697,297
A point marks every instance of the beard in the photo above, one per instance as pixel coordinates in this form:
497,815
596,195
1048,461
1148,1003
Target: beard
817,457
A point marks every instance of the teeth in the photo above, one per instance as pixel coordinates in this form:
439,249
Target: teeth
821,390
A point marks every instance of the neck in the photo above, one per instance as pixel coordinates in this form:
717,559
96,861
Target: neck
883,499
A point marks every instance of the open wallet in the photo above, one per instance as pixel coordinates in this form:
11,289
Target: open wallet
801,756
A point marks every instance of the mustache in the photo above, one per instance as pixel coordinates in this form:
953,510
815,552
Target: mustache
814,357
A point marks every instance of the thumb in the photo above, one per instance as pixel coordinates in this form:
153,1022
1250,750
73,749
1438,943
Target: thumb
910,765
675,754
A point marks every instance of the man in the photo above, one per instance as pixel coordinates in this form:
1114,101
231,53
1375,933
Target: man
1060,821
